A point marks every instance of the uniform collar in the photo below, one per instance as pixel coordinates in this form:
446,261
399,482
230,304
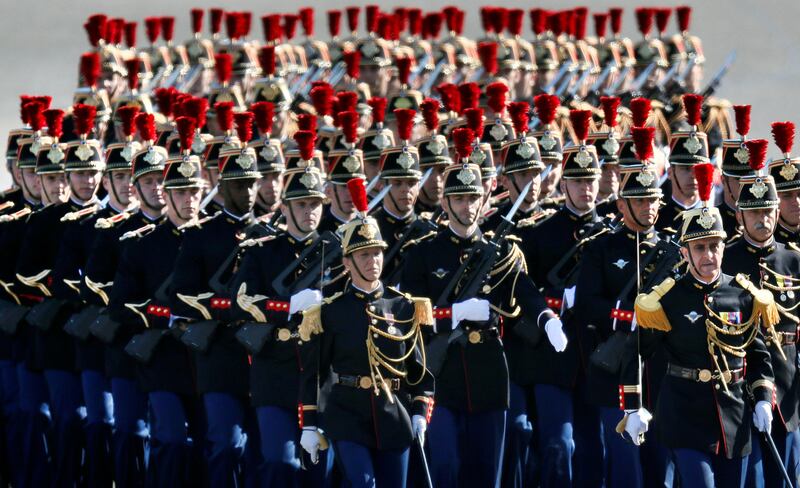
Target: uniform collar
232,218
458,240
306,241
589,216
752,248
703,286
684,207
646,235
367,296
783,231
393,219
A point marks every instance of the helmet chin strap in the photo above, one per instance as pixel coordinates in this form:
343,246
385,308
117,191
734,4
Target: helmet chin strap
144,199
175,207
355,267
750,235
25,187
294,219
633,214
455,216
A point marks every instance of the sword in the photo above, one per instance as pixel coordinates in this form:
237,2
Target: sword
776,457
377,199
614,88
420,68
209,197
423,462
426,87
372,183
715,81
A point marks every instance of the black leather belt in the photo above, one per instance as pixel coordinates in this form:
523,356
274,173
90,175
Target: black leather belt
785,338
476,336
704,375
365,382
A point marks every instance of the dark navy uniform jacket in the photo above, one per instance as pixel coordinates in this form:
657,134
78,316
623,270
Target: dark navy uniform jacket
786,236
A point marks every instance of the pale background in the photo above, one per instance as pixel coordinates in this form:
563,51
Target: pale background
41,41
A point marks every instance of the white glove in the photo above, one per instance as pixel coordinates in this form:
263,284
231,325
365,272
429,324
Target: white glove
303,300
555,334
762,418
637,424
309,440
418,426
475,309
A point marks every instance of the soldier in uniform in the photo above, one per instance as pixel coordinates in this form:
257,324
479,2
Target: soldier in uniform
220,361
277,360
544,369
129,444
786,173
776,267
608,148
434,154
708,325
603,314
734,167
470,369
270,159
382,393
139,301
340,171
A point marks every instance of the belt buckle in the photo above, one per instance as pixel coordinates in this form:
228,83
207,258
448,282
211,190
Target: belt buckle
365,382
284,335
475,337
726,377
704,375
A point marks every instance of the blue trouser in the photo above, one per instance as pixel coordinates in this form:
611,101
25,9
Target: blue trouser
226,439
36,468
518,458
176,454
99,424
466,449
766,472
11,422
658,468
588,434
554,428
700,470
367,468
280,451
69,412
130,439
623,466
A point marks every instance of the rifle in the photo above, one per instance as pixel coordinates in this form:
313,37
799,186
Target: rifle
573,92
326,251
557,277
560,74
417,228
593,97
255,231
636,87
420,68
426,87
614,88
714,83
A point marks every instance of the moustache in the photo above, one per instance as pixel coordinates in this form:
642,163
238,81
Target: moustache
762,226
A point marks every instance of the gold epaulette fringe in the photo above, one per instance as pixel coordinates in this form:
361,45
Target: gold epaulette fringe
312,319
764,306
423,311
649,312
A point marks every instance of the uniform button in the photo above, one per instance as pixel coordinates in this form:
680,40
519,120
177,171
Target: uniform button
716,386
371,308
373,321
375,336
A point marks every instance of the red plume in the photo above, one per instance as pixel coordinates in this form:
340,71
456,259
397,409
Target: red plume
640,108
742,114
197,19
55,119
349,121
487,52
164,100
23,114
644,19
693,105
463,139
414,21
186,127
264,113
451,97
372,17
496,96
515,18
347,101
353,61
433,22
684,17
266,57
307,122
152,26
95,27
378,106
405,122
305,143
757,149
146,126
486,22
224,111
546,106
610,106
704,174
352,18
216,19
579,22
132,66
783,134
430,113
196,107
127,116
83,117
616,19
334,22
519,116
322,98
474,118
34,114
233,24
167,28
307,20
662,18
45,100
643,142
244,126
470,95
130,33
538,20
580,123
403,69
600,23
290,25
358,193
223,65
90,68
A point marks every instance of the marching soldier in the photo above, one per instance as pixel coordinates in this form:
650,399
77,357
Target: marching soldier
708,324
467,357
139,301
775,267
129,442
382,393
734,167
433,154
342,168
270,160
607,146
786,173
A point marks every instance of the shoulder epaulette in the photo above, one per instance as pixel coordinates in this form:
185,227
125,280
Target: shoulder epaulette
72,216
794,247
312,318
197,222
137,233
6,205
16,215
413,242
537,218
256,241
649,313
733,239
763,302
109,222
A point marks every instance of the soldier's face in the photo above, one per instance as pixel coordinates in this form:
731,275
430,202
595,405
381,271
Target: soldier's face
239,195
54,188
340,199
31,184
372,168
683,182
704,257
609,179
302,215
789,206
84,184
403,195
270,189
639,213
516,181
581,192
369,264
434,185
463,209
118,186
211,175
185,202
731,187
551,180
150,190
759,224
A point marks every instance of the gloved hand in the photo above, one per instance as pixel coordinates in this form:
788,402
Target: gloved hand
474,309
637,424
418,426
762,417
555,334
303,300
309,440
